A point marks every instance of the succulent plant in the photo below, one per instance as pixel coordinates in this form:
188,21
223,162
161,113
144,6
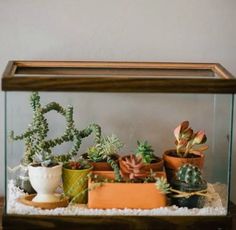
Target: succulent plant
35,136
187,141
163,185
105,147
77,164
190,175
133,167
145,152
44,159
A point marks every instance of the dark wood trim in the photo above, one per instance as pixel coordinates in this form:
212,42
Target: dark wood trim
117,77
9,70
119,84
120,222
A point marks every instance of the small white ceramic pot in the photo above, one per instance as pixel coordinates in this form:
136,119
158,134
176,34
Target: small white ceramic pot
45,181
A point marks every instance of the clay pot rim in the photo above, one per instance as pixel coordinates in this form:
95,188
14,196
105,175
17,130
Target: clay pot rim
165,154
104,173
81,170
58,165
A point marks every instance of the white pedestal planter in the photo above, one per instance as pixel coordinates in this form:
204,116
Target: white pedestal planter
45,181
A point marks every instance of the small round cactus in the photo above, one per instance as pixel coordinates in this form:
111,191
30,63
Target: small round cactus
190,174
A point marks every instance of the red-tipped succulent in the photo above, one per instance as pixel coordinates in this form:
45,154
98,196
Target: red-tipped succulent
74,165
187,141
133,167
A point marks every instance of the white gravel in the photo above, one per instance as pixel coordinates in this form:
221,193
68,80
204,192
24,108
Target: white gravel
213,206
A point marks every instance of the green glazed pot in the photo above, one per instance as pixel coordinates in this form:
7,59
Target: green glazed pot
75,184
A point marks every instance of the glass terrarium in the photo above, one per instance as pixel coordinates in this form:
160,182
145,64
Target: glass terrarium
117,143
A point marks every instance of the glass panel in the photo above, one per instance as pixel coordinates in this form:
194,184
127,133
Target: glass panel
132,117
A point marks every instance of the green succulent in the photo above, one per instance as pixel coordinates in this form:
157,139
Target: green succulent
190,174
44,159
35,136
145,151
106,147
163,185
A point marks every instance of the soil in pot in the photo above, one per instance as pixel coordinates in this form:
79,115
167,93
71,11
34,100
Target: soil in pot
102,165
172,162
75,184
194,201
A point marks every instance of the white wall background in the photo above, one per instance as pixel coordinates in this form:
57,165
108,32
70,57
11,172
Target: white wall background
136,30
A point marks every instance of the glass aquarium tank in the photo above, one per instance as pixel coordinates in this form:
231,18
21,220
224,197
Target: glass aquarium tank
117,143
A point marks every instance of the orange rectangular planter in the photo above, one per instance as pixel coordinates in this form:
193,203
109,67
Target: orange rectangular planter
125,195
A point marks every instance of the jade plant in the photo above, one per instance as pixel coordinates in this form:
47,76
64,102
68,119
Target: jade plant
35,136
145,152
189,142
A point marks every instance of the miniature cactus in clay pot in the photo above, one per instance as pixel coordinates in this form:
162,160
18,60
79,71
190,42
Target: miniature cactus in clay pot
189,188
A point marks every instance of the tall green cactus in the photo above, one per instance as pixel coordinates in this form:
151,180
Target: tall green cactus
190,174
35,135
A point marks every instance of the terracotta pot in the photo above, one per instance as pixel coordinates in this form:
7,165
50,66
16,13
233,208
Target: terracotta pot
156,166
100,166
172,163
125,195
45,180
75,182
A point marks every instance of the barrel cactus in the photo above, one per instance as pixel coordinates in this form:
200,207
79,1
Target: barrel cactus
190,175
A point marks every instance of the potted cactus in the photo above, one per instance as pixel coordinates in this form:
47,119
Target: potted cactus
189,149
131,191
75,180
189,189
35,136
146,155
104,154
